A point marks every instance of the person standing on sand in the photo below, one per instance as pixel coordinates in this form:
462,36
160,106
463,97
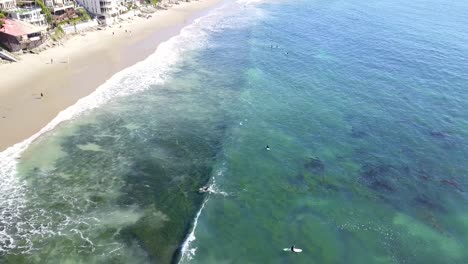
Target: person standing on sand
51,61
42,95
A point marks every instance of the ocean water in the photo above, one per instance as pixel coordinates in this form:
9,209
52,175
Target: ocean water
362,103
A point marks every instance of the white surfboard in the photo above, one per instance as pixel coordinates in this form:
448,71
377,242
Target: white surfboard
296,250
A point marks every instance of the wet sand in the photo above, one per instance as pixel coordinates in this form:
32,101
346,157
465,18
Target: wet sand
79,67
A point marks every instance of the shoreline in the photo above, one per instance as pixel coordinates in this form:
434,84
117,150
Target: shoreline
75,74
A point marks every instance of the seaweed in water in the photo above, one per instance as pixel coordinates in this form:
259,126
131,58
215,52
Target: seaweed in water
356,133
438,134
428,218
448,141
382,185
424,201
424,175
315,166
376,177
372,171
451,183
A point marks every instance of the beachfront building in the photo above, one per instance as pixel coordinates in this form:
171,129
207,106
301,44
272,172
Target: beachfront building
107,9
17,35
30,14
60,7
7,4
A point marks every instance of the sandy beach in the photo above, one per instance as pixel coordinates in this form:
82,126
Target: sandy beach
79,66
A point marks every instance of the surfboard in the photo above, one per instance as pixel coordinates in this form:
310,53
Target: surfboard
296,250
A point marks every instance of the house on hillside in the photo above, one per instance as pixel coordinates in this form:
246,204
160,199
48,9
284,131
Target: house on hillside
61,10
7,4
60,7
17,35
105,10
28,12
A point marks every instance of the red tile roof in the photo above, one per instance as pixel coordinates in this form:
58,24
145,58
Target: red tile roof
18,28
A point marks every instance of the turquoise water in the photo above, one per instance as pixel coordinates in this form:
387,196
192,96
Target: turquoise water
363,107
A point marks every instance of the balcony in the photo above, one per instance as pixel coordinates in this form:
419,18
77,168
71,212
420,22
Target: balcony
106,4
36,20
64,6
7,4
29,15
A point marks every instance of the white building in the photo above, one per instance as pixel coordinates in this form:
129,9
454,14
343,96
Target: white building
106,8
30,15
7,4
59,7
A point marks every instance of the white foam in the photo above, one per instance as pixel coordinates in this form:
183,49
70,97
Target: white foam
214,188
188,251
249,2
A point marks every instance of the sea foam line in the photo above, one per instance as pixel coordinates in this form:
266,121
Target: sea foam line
188,252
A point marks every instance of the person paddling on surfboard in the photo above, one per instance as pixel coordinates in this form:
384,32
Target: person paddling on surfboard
293,249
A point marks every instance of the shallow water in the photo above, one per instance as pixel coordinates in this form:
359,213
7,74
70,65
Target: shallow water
363,107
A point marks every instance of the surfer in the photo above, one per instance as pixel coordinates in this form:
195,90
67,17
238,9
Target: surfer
204,189
295,250
267,147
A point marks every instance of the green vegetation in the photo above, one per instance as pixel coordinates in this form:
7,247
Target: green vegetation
45,11
3,15
72,21
58,33
130,6
152,2
83,16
